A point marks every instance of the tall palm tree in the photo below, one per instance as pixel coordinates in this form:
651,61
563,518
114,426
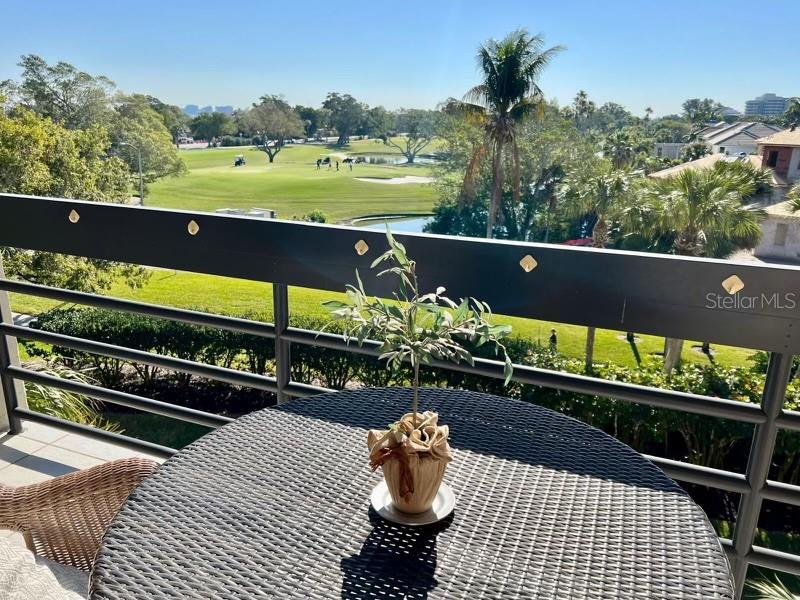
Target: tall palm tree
509,94
601,195
701,210
619,147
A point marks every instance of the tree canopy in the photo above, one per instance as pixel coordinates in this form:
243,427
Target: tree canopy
346,114
274,121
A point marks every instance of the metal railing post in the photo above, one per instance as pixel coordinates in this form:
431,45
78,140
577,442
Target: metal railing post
12,392
758,464
283,365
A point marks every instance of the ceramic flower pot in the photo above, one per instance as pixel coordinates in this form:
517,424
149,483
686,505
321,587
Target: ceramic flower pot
413,455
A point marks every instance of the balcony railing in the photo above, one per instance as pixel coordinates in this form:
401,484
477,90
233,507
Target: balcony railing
646,293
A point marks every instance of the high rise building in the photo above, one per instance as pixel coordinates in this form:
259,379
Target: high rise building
767,105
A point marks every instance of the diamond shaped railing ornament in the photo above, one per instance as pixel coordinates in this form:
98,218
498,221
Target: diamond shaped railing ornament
528,263
733,284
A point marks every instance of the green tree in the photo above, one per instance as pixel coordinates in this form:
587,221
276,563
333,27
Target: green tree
175,120
346,115
582,110
598,196
42,158
136,126
699,112
794,197
379,122
416,129
702,213
275,122
792,115
70,97
694,150
507,96
209,126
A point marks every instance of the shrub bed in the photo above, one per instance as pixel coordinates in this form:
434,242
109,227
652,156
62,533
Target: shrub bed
702,440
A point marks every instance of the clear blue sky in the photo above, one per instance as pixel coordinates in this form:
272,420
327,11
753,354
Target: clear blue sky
412,53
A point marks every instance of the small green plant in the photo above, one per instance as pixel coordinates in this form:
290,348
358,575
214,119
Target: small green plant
768,590
417,328
61,403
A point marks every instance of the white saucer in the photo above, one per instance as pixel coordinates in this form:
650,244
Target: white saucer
443,505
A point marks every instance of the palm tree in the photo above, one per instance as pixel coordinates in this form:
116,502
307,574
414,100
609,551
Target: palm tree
794,197
701,210
792,114
582,109
508,95
601,196
619,147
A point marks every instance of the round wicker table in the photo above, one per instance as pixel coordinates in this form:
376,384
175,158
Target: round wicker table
276,505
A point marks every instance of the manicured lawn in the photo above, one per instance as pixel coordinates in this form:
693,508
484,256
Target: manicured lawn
240,297
292,185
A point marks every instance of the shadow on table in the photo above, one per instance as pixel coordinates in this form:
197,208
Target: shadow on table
395,562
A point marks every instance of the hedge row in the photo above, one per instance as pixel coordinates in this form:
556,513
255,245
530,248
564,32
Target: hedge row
712,442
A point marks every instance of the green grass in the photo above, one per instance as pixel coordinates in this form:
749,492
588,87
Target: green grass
237,297
292,185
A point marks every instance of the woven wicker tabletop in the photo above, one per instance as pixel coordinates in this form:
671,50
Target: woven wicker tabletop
276,505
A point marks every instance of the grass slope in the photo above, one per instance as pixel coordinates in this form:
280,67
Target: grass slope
292,185
238,297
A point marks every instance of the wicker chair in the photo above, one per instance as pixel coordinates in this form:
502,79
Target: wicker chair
64,519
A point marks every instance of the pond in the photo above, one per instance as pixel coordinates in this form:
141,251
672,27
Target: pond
395,159
406,225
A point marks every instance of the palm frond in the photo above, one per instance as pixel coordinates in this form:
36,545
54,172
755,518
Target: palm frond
773,591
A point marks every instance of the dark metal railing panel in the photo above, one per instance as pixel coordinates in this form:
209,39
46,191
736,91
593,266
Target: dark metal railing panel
647,293
689,473
121,398
628,392
232,376
758,463
280,304
774,559
95,433
777,491
650,293
192,317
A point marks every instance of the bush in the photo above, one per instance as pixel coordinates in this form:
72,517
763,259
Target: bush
712,442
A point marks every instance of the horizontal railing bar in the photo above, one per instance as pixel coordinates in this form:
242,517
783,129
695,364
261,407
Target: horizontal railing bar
789,419
774,559
121,398
664,295
94,432
304,390
628,392
193,317
777,491
232,376
689,473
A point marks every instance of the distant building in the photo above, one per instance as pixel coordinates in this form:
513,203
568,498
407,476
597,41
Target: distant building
734,138
781,153
724,138
769,105
780,234
727,111
669,149
193,109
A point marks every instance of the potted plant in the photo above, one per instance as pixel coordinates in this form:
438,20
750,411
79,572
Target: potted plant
415,329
